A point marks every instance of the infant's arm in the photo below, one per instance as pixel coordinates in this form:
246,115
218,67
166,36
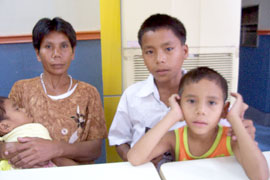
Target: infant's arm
61,161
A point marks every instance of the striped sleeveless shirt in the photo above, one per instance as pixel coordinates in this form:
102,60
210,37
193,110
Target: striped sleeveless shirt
221,146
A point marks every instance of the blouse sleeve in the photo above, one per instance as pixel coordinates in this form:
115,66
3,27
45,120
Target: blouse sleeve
15,94
98,128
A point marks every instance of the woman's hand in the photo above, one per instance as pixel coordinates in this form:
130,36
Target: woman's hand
4,147
32,151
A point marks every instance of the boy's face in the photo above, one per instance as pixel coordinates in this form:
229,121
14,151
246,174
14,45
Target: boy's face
55,53
163,54
15,117
202,104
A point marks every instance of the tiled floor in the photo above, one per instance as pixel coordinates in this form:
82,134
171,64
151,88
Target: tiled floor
263,137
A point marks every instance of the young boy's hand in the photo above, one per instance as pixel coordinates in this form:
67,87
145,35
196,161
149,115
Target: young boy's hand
238,109
174,102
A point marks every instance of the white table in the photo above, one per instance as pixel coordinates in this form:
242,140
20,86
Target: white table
214,168
109,171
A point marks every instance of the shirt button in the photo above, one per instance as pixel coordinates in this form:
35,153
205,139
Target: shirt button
64,131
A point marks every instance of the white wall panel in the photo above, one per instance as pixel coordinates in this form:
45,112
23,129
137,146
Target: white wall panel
134,12
19,16
213,27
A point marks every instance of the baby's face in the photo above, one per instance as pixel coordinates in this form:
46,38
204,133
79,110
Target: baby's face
15,116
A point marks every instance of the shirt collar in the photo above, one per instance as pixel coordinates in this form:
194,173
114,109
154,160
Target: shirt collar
148,88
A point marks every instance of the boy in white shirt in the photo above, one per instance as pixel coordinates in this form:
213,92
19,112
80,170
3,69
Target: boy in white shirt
162,39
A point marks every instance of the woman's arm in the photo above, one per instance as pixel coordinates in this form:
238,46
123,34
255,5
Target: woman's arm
157,140
32,151
83,152
245,149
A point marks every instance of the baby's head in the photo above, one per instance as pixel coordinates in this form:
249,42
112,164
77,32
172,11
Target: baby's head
11,116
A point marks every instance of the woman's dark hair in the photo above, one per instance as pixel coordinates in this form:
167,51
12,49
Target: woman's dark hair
45,26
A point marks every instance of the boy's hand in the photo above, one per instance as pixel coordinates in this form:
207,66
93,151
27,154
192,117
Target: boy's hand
174,102
238,109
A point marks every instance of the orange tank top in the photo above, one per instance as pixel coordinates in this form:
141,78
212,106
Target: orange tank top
221,146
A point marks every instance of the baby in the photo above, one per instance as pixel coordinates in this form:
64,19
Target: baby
14,123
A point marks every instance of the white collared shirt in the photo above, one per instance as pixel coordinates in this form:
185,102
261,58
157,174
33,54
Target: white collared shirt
139,108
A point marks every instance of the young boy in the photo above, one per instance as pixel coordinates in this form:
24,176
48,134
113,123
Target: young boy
162,39
203,93
15,124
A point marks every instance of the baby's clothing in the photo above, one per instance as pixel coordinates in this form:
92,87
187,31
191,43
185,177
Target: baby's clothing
26,130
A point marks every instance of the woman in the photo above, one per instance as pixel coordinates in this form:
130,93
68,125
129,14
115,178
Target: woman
70,109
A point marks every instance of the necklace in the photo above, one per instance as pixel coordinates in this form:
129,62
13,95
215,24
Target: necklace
44,87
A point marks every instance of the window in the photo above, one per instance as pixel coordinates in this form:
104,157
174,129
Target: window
249,26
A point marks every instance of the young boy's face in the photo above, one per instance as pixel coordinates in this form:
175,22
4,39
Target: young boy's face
163,54
15,117
55,53
202,104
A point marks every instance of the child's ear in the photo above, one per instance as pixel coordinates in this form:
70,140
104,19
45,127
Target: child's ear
225,110
5,128
185,51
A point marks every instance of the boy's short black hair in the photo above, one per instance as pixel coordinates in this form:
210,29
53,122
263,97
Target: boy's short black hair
159,21
197,74
2,108
45,26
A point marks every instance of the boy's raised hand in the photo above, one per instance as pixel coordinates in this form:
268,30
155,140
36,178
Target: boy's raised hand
238,109
174,102
245,149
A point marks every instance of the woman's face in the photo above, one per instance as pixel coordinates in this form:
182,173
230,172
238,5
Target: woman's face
55,53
